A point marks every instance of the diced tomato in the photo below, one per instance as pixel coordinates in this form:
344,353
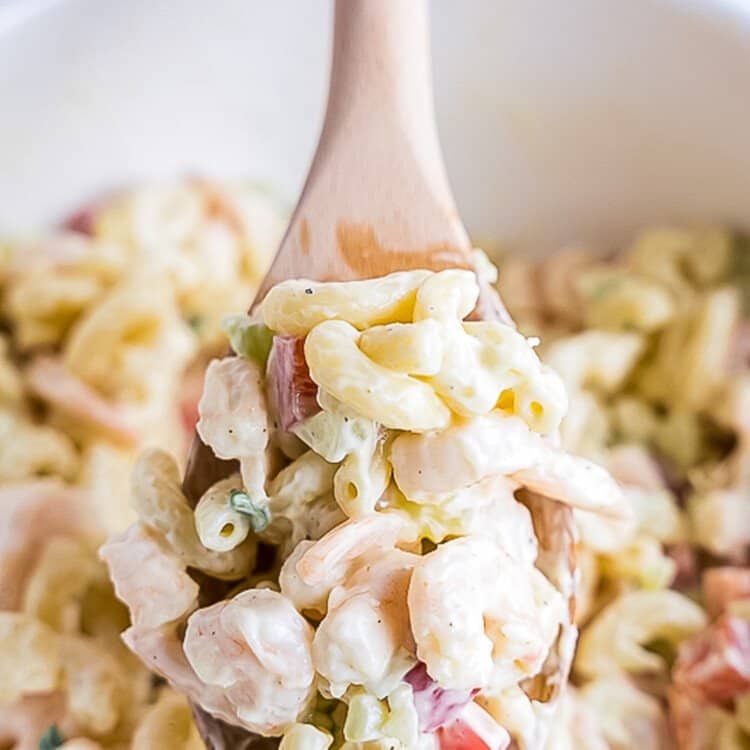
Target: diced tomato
82,221
715,664
48,378
294,391
724,585
435,705
458,735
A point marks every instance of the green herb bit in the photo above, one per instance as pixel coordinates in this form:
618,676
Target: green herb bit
51,739
258,514
248,338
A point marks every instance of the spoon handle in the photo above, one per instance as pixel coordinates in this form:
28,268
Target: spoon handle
377,197
381,83
381,64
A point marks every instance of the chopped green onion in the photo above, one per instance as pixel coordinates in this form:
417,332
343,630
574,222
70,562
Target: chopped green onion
259,515
248,338
51,739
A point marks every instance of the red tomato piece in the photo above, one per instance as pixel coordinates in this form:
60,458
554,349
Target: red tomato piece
435,705
458,735
715,664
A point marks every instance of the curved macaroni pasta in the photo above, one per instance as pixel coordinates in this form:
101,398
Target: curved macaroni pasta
411,348
362,479
168,723
219,526
294,308
161,505
338,366
55,590
29,450
135,324
40,669
614,641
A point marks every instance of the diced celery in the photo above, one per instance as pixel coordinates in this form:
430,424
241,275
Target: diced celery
248,338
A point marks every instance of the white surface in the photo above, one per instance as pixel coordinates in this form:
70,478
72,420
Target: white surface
561,121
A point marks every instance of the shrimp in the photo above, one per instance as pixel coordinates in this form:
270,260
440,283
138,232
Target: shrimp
31,514
575,481
428,466
365,639
161,649
314,569
23,722
257,649
479,618
724,585
305,597
233,420
493,511
51,381
152,582
149,578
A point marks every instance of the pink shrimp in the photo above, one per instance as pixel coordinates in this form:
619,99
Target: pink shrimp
30,514
365,638
149,578
23,723
51,381
256,648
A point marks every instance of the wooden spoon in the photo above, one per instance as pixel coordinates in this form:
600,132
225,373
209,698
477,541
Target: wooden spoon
376,200
377,197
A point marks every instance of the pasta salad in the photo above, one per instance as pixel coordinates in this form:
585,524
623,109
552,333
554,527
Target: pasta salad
374,571
106,326
653,345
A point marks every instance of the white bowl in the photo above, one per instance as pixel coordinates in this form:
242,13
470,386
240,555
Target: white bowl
561,121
